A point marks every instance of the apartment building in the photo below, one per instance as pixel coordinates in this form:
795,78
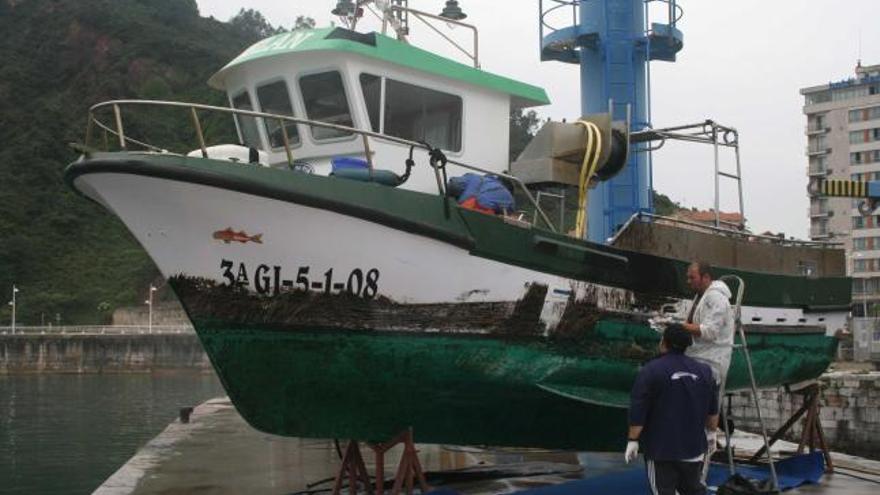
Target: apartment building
843,142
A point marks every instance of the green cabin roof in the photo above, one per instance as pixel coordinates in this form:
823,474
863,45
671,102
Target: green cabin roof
387,49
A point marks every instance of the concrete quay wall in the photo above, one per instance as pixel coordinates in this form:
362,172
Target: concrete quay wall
90,353
850,412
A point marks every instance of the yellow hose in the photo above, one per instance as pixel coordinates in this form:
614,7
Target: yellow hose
592,152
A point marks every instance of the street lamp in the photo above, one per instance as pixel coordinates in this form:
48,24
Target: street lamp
149,303
864,295
12,303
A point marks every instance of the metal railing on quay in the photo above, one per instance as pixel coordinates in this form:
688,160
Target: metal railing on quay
98,330
117,129
727,229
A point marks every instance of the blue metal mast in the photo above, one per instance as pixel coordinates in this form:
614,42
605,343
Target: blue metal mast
613,45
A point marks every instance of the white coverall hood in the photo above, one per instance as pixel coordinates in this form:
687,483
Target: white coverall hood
715,317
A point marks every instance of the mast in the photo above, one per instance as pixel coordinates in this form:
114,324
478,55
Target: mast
613,42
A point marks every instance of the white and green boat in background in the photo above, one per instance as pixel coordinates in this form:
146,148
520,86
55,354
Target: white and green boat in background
362,303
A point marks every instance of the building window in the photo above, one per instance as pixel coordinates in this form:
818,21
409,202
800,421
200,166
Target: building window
818,97
247,125
864,114
862,266
855,159
325,101
864,136
858,222
818,143
851,93
818,227
274,98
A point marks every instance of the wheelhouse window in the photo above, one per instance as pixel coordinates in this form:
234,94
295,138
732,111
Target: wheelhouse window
413,112
274,98
372,88
247,125
422,114
325,101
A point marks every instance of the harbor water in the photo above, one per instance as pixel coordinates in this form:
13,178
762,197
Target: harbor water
66,433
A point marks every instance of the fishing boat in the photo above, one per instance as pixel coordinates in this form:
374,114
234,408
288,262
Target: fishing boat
341,291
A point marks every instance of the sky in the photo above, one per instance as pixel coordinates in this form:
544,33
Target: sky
742,65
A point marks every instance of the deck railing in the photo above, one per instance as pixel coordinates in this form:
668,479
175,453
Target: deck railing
117,128
727,229
97,330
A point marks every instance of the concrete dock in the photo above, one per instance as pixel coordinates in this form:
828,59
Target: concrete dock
218,453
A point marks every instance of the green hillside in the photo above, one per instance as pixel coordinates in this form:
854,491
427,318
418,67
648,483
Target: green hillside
68,256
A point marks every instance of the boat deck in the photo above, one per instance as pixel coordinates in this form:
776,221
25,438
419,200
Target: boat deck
218,453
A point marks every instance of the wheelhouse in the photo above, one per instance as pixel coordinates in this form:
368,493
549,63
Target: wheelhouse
375,83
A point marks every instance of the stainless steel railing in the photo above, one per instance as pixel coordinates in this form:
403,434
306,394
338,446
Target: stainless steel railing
117,129
727,229
98,330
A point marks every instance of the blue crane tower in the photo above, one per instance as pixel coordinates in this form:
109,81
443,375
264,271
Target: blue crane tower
613,44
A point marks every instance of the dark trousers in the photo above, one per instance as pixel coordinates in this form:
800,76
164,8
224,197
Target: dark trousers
669,477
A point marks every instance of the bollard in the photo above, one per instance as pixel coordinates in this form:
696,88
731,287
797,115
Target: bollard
185,413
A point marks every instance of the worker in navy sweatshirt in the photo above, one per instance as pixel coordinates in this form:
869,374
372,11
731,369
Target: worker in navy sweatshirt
673,416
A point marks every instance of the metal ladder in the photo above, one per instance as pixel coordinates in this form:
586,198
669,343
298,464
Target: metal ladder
722,136
743,346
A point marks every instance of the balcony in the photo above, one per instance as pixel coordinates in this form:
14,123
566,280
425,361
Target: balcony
818,171
817,150
813,129
819,212
819,233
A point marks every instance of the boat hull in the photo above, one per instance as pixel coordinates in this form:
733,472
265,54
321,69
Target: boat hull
459,389
331,308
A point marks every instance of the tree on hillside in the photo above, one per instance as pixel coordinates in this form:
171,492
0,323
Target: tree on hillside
68,256
252,24
664,205
303,22
523,126
172,11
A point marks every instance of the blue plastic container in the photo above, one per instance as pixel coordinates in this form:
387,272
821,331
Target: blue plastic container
348,163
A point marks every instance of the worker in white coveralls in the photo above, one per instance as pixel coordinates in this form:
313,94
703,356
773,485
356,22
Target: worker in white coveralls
710,321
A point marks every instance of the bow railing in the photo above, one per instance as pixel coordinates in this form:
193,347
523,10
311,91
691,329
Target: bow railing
117,129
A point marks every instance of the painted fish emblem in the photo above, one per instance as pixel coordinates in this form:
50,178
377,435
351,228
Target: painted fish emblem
228,236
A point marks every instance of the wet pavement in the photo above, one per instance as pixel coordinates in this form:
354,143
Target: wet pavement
218,453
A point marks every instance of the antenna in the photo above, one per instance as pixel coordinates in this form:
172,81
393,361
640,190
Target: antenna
860,47
395,15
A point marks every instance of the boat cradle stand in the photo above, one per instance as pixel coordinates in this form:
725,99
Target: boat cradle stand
408,471
812,433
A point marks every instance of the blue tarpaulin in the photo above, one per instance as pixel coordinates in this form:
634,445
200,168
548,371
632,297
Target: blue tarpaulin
486,189
792,472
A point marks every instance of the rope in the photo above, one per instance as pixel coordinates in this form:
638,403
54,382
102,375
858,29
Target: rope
592,152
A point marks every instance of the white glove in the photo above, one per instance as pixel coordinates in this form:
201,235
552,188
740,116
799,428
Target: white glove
632,451
658,324
712,442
